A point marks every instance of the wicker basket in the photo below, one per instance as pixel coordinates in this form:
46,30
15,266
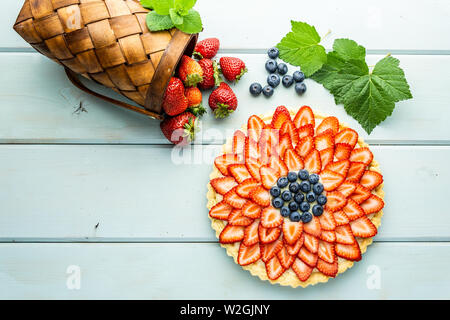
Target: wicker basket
106,41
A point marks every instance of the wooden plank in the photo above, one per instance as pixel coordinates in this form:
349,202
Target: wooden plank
149,193
38,111
172,271
380,25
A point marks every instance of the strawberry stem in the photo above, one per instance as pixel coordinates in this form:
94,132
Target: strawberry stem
222,110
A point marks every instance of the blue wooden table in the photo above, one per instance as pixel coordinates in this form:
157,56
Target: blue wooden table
92,205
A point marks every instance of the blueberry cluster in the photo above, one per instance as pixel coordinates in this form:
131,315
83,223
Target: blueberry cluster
273,79
298,193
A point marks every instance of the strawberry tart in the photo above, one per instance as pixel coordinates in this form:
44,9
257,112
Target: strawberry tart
296,197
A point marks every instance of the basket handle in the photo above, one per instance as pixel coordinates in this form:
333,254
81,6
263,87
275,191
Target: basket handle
73,77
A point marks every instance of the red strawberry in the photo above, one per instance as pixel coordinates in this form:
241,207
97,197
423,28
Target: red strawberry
324,141
207,48
253,167
301,269
194,96
372,204
328,236
269,250
285,258
342,151
313,227
360,194
268,235
248,255
260,196
295,248
251,149
175,101
348,136
312,162
211,76
232,68
278,164
236,218
305,145
328,269
356,171
326,252
348,251
251,210
271,217
311,243
341,218
308,257
330,124
288,127
285,144
306,130
363,228
190,71
180,129
331,180
223,185
352,210
269,176
292,231
335,201
254,127
246,187
327,221
239,172
220,211
223,101
251,234
344,235
363,155
238,142
371,179
326,156
280,115
223,161
293,160
347,188
233,199
274,268
231,234
340,167
303,117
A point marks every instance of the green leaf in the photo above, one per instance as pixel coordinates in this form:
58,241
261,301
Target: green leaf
301,47
192,22
183,6
162,7
175,16
348,49
156,22
147,4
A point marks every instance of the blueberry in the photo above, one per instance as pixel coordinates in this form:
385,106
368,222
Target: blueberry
293,206
282,182
318,188
299,197
298,76
282,68
321,199
311,197
294,187
305,186
273,53
275,191
295,216
292,176
267,91
277,202
255,89
317,210
314,178
287,81
285,211
304,206
303,174
306,217
271,65
300,88
273,80
286,195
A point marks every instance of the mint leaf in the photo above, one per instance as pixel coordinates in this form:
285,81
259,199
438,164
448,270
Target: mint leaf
148,4
183,6
175,16
301,47
192,22
156,22
162,7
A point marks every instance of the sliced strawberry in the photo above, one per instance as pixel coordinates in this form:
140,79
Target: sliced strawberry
294,249
251,235
251,210
326,221
329,124
356,171
335,201
347,188
326,252
344,235
271,217
312,162
251,149
302,270
348,136
220,211
328,236
326,156
269,250
360,194
233,199
305,145
372,204
341,218
340,167
289,128
248,254
308,257
231,234
239,172
292,231
331,180
306,130
363,155
311,243
303,117
328,269
238,142
342,151
324,141
313,227
285,258
352,210
363,228
371,179
280,116
278,164
253,166
244,188
260,196
254,127
268,235
223,185
222,162
348,251
274,268
285,144
236,218
293,161
269,176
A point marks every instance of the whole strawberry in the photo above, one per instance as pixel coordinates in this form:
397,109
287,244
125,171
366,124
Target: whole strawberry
232,68
174,101
194,96
210,74
190,72
180,130
207,48
223,101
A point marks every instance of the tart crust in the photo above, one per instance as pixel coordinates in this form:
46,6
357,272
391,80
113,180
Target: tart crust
289,278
